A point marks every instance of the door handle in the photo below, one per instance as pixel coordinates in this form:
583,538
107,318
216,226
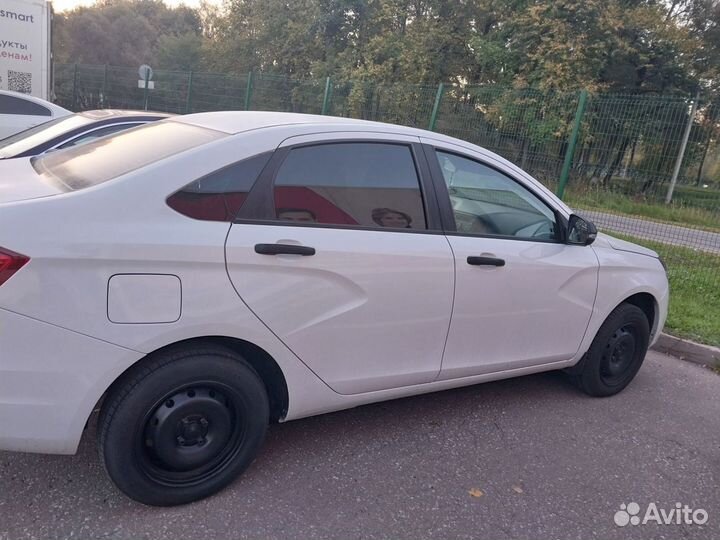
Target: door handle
485,261
284,249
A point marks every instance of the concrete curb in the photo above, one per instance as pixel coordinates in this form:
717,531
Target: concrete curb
705,355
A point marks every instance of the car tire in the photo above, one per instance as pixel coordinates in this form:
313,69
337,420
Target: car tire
182,424
616,354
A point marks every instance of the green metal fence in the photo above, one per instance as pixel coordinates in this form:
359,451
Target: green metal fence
646,166
628,145
623,143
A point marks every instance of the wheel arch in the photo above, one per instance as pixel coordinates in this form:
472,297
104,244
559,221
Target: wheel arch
262,362
649,306
643,299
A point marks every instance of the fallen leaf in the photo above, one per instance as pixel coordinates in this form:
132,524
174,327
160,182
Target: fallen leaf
475,492
518,489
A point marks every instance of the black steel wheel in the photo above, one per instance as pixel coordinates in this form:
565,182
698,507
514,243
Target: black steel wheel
182,425
616,354
619,355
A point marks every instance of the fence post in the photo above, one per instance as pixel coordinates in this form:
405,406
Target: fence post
713,122
683,146
74,96
698,180
188,98
104,86
248,90
436,106
326,96
572,143
147,89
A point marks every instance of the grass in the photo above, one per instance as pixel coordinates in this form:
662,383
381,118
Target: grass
679,212
694,291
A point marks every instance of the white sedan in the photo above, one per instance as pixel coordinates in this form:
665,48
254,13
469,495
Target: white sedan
19,112
201,276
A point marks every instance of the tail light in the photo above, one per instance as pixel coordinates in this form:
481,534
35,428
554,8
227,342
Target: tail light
10,262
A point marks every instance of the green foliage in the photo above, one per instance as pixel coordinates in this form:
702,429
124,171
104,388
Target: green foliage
512,69
119,32
180,52
578,44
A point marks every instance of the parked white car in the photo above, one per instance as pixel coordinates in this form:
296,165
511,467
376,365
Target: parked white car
19,112
72,130
204,275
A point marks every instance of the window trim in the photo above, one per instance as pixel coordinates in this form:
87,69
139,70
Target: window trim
448,216
261,200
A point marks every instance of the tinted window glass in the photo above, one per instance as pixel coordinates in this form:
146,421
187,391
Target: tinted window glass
107,158
16,105
219,196
487,202
361,184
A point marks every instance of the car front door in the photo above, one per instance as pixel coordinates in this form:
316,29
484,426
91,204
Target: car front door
522,297
339,251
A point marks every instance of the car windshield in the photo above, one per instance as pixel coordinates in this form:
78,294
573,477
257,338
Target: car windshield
106,158
40,134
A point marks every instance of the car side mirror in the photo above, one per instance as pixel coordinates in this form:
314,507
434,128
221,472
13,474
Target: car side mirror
581,232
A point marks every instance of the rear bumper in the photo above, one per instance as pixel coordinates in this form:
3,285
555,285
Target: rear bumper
50,380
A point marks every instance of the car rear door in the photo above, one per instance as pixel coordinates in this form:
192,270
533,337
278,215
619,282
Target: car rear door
522,296
339,251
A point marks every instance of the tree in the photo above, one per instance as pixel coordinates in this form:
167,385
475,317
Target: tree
182,52
119,32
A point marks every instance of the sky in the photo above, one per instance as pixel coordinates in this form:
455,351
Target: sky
64,5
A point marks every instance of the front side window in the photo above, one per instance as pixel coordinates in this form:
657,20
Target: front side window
219,195
487,202
353,184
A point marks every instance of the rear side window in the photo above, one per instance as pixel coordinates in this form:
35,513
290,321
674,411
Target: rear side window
219,195
16,105
352,184
101,160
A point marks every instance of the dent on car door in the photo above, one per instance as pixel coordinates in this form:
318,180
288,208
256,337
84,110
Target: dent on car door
334,254
522,296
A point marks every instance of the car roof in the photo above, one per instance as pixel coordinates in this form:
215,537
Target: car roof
105,114
233,122
33,99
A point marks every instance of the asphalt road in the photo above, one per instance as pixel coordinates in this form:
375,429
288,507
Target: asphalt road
652,230
541,461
